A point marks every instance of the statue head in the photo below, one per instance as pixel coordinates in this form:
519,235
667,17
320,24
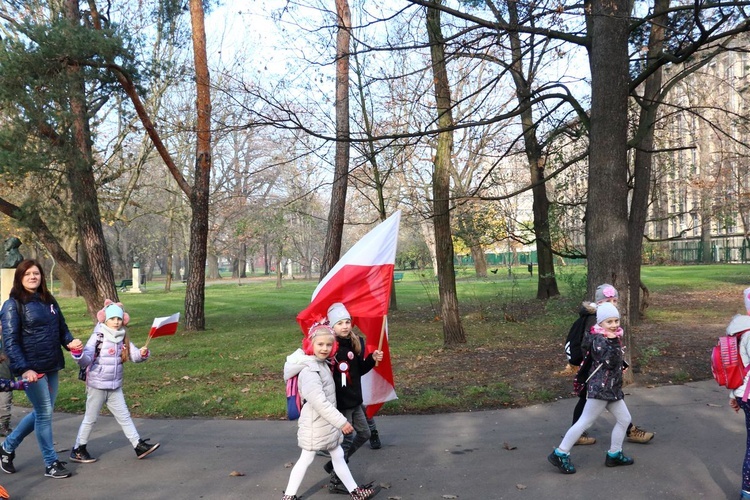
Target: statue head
12,256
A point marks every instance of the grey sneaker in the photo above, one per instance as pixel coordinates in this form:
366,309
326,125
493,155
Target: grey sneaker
57,470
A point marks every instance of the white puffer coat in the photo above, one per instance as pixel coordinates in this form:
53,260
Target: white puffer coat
320,423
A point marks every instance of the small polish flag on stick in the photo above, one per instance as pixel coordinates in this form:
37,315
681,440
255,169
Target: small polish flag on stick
166,325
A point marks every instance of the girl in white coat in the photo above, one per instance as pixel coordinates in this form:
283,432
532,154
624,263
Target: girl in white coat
320,424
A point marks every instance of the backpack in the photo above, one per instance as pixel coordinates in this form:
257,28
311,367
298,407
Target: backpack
573,341
293,399
726,363
83,372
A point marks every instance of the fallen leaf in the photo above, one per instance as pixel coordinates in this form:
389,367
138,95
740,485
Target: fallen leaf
508,447
521,486
289,465
449,497
234,473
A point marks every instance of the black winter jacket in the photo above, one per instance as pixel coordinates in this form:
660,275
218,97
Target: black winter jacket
575,343
350,396
32,336
606,382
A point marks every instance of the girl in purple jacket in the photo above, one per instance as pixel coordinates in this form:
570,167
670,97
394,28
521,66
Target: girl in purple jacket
103,357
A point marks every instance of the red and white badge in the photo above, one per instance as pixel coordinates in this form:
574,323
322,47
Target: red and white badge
343,368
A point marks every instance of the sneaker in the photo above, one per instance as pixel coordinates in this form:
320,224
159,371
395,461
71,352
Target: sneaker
618,459
364,492
289,497
584,440
6,461
144,449
562,462
57,470
336,486
636,435
375,441
81,456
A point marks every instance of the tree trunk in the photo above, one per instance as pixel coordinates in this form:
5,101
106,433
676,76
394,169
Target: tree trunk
428,233
80,175
332,248
480,261
195,318
607,202
547,282
643,164
453,332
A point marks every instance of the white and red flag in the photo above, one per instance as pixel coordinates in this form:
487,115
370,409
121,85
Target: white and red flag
362,281
166,325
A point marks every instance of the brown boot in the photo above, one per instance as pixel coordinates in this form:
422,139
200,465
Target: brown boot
584,440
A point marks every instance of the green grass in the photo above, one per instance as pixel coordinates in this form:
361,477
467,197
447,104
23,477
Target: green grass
233,369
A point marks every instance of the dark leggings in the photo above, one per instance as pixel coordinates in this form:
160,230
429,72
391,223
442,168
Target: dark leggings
578,410
745,405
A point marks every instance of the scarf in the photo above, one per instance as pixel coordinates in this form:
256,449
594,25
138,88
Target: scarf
601,331
115,336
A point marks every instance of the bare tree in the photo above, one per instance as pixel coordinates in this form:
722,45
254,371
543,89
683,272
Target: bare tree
453,332
332,250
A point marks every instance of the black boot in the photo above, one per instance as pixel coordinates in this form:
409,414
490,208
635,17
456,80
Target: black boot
336,486
375,441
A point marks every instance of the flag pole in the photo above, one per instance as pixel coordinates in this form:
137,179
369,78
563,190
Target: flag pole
147,340
382,336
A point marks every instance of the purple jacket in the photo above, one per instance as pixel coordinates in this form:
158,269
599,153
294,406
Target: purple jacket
106,371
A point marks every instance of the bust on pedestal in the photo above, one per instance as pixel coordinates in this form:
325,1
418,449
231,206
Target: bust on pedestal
12,258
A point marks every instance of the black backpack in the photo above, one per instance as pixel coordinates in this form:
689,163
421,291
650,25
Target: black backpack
573,341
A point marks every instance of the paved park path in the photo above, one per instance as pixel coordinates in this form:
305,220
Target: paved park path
697,453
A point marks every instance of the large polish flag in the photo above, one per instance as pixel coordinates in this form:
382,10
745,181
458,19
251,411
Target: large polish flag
362,281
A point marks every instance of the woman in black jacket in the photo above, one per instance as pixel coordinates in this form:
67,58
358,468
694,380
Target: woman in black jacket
34,329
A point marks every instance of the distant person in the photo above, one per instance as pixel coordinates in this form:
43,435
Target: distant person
320,424
106,351
350,364
604,392
575,348
34,330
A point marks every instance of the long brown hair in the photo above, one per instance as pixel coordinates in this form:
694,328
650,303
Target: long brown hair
125,352
23,295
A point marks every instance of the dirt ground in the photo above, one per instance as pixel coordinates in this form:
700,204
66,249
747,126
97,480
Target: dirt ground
662,353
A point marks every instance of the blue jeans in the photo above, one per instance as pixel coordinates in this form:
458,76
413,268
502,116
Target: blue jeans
42,395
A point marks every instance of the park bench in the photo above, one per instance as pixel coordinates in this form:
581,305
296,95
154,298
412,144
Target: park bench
398,277
123,285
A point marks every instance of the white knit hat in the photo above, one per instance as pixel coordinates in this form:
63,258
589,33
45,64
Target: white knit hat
337,312
606,311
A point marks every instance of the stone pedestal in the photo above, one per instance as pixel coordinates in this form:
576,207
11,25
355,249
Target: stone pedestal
136,288
6,283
